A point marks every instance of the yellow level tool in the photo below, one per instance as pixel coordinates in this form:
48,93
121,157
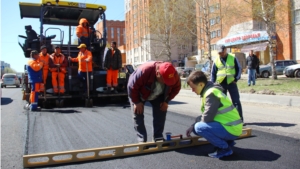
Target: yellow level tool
55,158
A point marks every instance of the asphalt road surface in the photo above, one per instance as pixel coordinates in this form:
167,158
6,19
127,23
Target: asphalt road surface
110,123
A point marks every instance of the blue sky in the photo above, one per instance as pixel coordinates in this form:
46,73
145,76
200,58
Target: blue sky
12,25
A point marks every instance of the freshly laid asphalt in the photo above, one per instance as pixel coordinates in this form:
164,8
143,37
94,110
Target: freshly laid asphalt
110,123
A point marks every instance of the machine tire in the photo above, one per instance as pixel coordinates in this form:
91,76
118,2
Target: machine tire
297,74
265,74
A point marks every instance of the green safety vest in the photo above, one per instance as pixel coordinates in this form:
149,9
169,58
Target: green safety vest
227,115
225,71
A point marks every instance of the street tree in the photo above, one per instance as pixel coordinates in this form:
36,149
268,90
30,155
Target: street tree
166,30
274,14
208,16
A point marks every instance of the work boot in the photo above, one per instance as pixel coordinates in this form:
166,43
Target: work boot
221,152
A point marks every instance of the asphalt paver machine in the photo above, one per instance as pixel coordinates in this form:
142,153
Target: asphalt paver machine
56,13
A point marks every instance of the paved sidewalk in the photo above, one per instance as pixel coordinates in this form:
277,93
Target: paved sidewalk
293,101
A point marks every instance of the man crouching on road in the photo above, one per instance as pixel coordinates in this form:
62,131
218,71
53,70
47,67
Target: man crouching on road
158,83
220,122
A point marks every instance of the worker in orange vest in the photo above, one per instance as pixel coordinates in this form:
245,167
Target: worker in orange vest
83,32
58,64
84,56
112,63
34,69
44,58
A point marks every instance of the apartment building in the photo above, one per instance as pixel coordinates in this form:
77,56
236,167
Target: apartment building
139,46
296,30
241,32
115,31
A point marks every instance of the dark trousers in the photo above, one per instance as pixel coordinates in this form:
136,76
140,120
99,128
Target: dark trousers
84,40
235,96
83,80
159,118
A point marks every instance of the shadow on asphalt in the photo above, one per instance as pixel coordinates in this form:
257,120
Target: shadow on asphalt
6,101
239,154
60,111
148,104
272,124
243,154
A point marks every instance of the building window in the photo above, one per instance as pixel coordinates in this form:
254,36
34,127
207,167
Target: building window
112,32
213,34
217,6
218,19
213,47
297,16
212,21
134,24
124,36
202,42
211,9
219,33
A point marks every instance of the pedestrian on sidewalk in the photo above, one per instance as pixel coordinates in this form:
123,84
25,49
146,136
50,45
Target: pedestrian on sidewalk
226,71
252,63
220,123
157,83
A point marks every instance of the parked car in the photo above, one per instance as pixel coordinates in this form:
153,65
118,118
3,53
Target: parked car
179,70
187,71
266,70
292,71
10,79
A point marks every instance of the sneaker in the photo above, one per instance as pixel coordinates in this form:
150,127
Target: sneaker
221,152
231,143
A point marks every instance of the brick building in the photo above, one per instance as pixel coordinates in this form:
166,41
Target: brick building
296,29
115,31
241,34
139,48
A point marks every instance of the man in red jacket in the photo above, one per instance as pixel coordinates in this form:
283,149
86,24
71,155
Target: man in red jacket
157,83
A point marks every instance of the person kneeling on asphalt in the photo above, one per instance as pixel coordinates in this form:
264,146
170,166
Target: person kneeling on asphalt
220,123
35,74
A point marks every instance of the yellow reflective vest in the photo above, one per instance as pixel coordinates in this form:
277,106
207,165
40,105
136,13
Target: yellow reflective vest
227,70
227,115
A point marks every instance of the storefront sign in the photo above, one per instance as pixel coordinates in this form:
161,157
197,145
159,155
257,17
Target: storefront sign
242,38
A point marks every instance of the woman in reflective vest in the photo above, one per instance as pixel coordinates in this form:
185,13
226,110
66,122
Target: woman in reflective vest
220,122
34,68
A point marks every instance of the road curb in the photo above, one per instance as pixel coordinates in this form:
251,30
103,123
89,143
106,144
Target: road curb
292,101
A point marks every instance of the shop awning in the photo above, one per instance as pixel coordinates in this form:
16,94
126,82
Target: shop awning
255,47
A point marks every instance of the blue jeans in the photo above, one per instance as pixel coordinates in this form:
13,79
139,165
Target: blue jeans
235,96
214,133
251,76
159,119
82,78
